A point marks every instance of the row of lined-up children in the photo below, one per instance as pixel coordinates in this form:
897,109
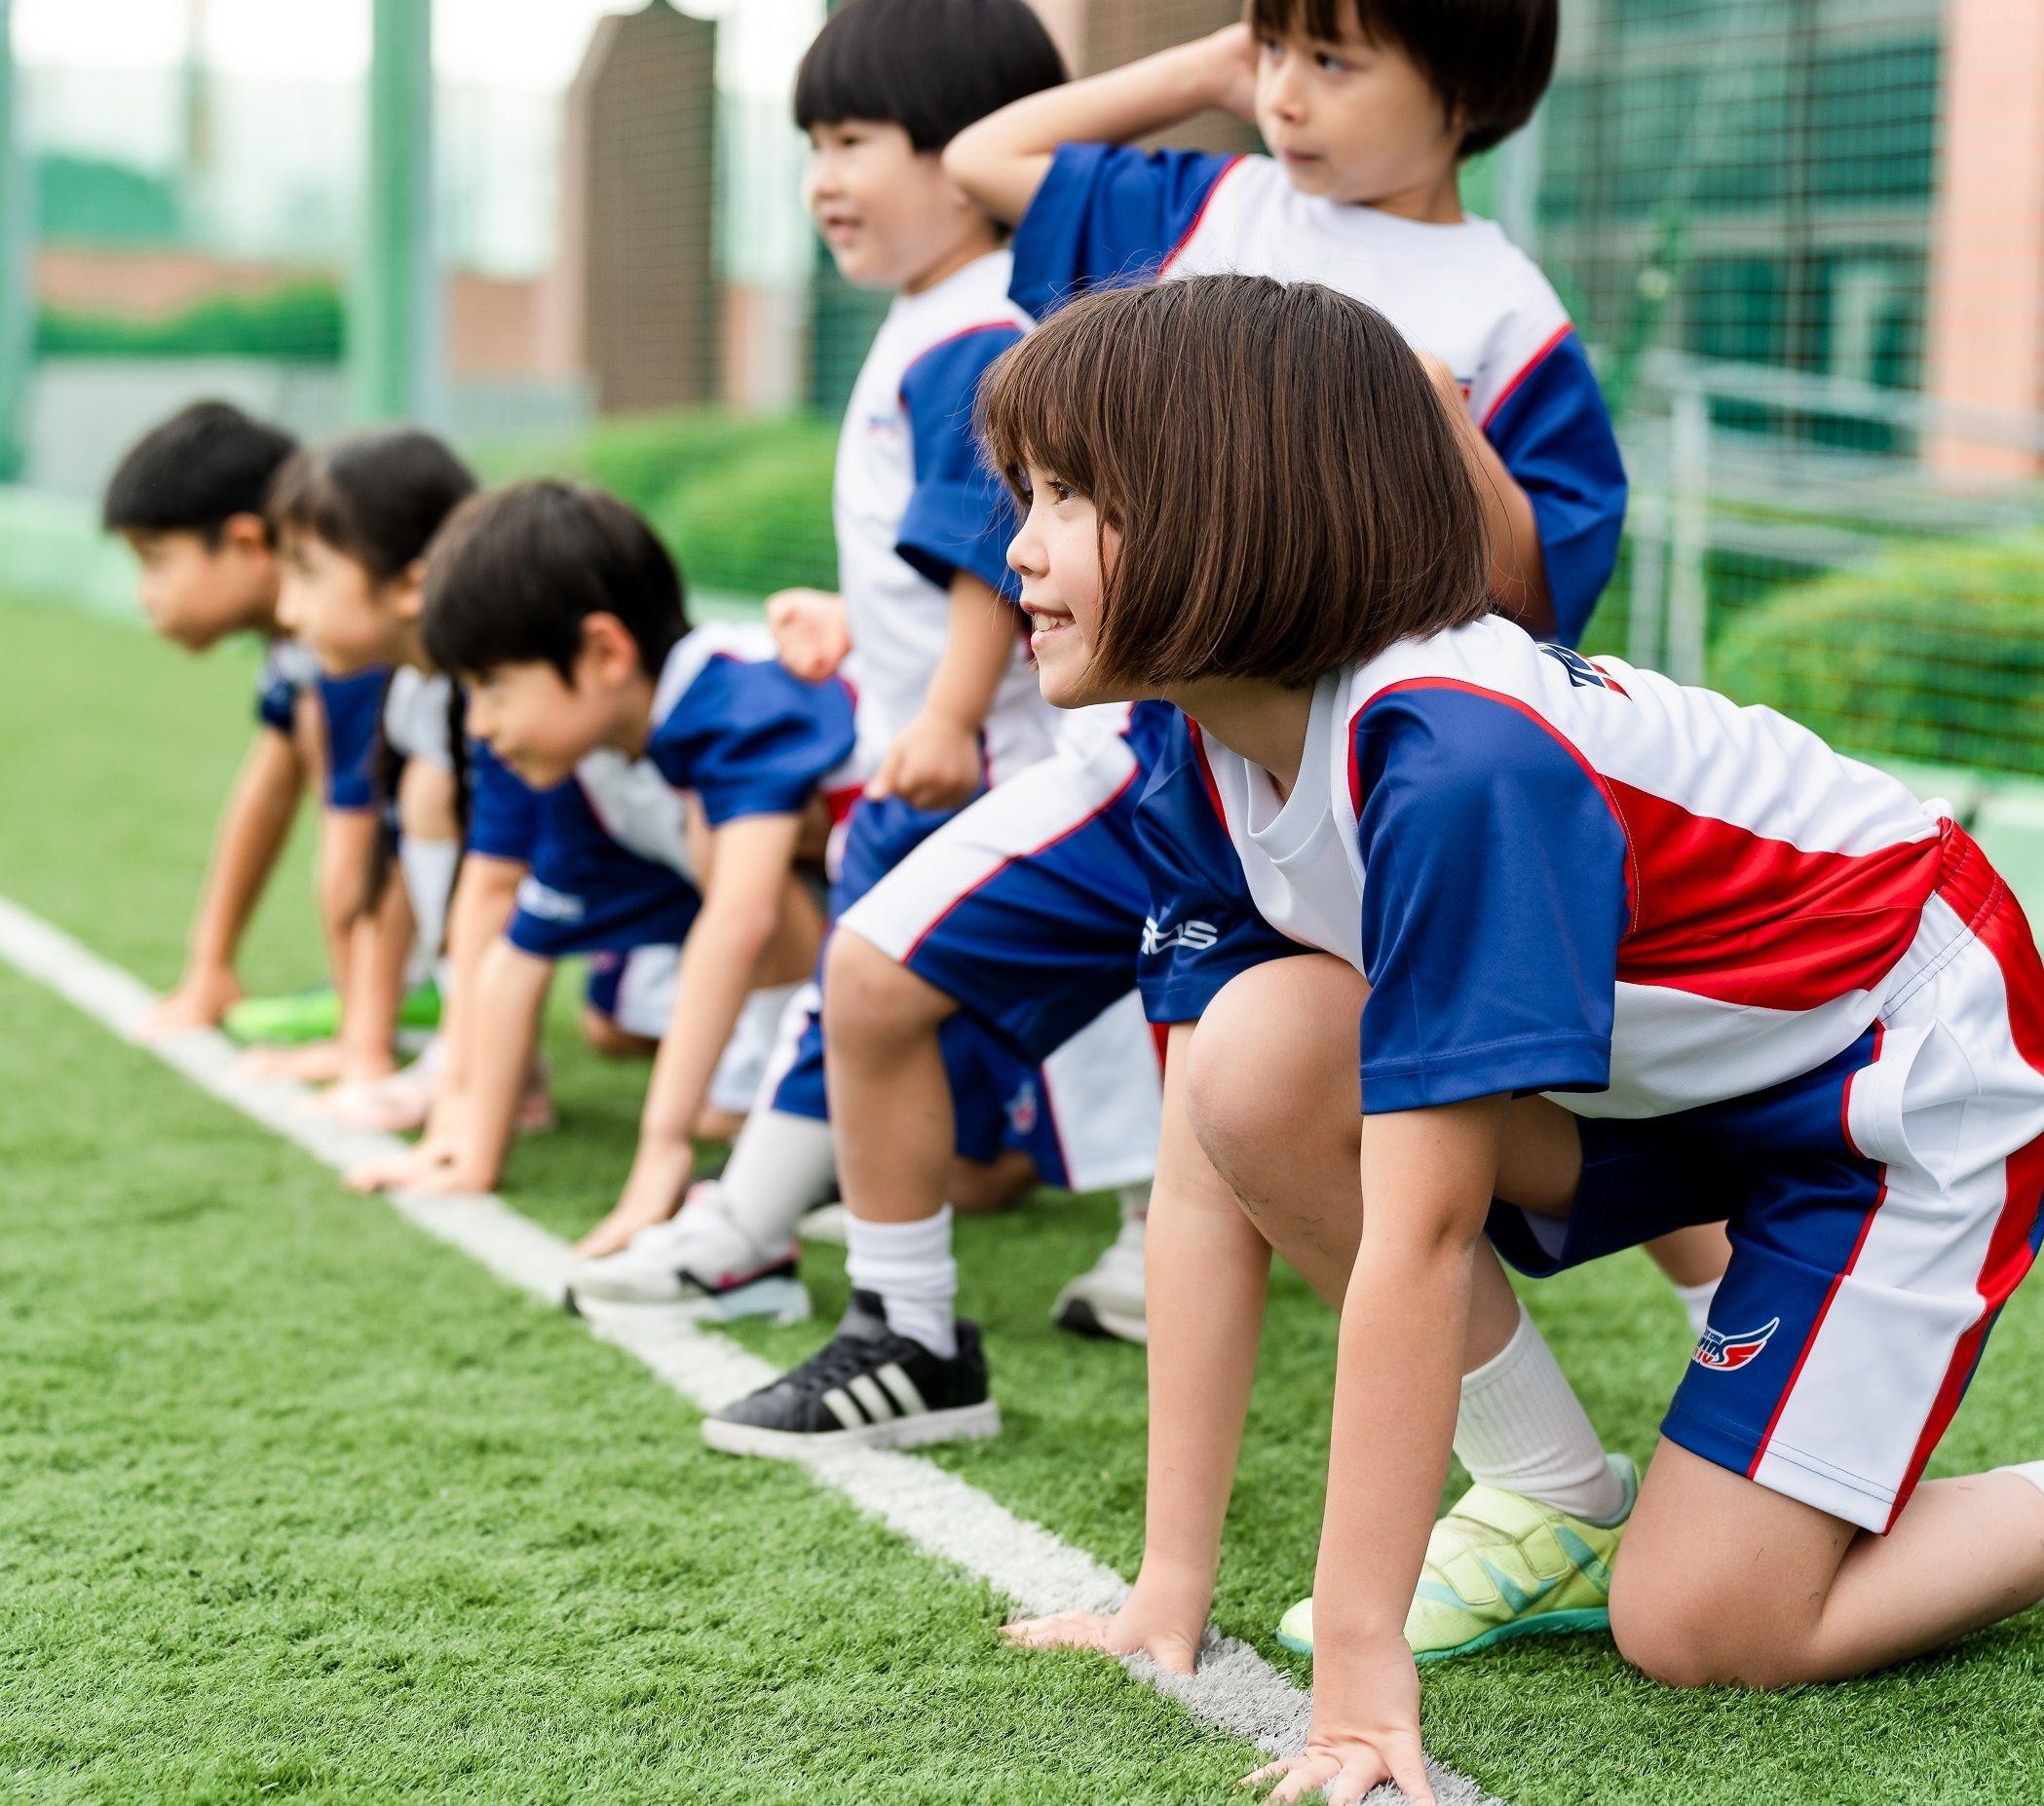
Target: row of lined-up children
1316,490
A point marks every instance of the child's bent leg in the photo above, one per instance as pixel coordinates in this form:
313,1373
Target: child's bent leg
1723,1581
1693,1261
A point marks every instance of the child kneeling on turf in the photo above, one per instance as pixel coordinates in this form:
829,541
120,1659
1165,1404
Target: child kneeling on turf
1623,954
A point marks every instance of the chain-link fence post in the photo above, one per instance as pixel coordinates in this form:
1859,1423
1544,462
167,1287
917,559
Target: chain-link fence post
16,277
393,326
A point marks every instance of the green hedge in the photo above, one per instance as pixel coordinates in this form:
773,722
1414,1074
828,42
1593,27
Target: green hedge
304,321
1935,651
743,501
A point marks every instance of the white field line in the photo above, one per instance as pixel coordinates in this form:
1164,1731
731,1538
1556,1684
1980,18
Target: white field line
1233,1689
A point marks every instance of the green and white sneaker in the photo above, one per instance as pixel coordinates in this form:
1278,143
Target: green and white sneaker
1501,1565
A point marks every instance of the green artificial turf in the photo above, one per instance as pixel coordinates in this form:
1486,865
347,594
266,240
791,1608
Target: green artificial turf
293,1501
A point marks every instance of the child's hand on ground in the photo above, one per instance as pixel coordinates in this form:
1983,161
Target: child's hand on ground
653,1193
810,631
437,1166
1165,1630
934,764
1227,64
315,1063
203,998
1365,1729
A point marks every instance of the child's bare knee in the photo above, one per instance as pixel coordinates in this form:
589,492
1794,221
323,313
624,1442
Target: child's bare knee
1687,1636
1253,1072
606,1037
869,997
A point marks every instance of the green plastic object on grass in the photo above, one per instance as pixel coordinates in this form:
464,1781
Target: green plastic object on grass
315,1015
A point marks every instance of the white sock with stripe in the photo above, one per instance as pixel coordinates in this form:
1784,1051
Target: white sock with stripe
780,1166
909,1264
1522,1429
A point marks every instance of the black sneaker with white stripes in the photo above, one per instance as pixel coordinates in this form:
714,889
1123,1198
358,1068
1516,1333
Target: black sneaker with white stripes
867,1388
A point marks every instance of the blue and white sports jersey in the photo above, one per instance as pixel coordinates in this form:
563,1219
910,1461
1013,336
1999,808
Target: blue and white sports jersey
1463,293
914,503
1558,876
288,670
416,716
349,706
609,847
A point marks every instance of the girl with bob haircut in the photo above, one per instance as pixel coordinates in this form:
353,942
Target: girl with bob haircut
1632,959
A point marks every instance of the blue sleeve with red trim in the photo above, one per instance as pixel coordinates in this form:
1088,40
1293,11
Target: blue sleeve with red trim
504,809
1105,211
1493,899
1204,927
1555,437
352,707
960,516
751,738
585,893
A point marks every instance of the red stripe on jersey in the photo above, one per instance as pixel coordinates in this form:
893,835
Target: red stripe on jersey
1731,914
1185,237
1526,369
2005,934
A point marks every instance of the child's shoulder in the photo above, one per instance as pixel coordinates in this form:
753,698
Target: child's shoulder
724,652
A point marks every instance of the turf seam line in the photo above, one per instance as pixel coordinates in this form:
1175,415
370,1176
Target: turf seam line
1234,1690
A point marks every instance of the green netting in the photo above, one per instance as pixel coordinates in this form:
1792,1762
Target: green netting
1794,233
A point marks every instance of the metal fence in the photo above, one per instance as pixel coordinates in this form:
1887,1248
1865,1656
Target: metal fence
1804,240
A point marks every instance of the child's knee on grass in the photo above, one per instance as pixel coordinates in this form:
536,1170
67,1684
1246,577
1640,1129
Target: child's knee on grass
872,1004
1720,1581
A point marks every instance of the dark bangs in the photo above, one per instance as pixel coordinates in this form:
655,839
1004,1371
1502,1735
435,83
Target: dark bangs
520,569
930,67
377,497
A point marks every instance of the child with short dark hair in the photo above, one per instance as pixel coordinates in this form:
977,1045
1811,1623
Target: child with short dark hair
926,630
563,616
352,518
1622,954
188,496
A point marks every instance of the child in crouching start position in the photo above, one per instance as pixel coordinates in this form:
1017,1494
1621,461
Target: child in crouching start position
563,616
1625,957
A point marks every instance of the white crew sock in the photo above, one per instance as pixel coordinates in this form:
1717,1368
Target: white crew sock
909,1264
1135,1200
429,868
1696,1303
781,1165
1522,1429
2031,1471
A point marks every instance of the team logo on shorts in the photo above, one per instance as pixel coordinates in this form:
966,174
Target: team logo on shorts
1022,1109
1722,1353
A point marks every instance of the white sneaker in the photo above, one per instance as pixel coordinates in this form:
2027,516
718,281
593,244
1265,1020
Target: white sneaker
1108,1300
700,1261
825,1223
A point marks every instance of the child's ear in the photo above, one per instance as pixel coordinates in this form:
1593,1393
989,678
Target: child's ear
247,535
408,590
609,653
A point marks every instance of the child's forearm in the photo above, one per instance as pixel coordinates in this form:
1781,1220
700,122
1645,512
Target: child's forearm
485,898
379,948
718,960
346,836
253,828
1206,1271
1001,160
978,644
508,993
1397,1382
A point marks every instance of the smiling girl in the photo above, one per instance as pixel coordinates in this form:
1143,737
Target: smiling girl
1621,953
